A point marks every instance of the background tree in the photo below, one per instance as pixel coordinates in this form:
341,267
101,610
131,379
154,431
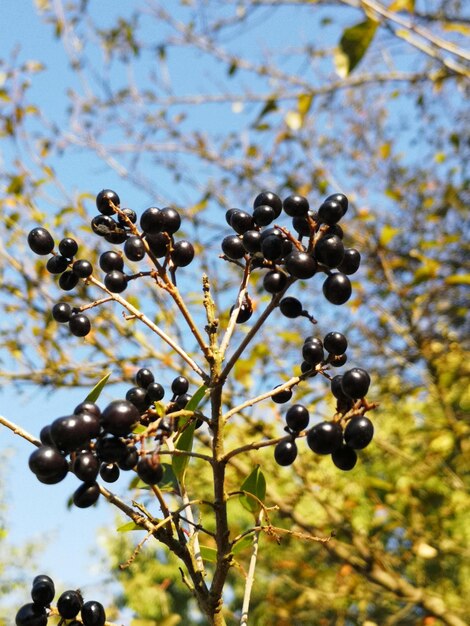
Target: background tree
294,96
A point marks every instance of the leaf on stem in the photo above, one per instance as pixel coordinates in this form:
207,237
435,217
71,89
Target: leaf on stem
97,389
185,440
254,483
353,45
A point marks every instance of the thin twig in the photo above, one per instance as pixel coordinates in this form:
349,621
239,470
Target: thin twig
250,579
20,431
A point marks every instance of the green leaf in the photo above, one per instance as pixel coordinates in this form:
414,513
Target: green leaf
254,483
185,440
269,107
168,481
97,389
244,543
209,554
125,528
353,45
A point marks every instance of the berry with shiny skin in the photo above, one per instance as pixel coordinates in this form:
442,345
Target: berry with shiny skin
272,247
87,407
341,199
119,235
151,220
115,281
325,438
244,312
68,280
85,496
45,436
109,472
359,432
62,312
291,307
149,469
91,423
40,241
337,388
285,452
263,215
111,449
312,352
47,462
296,206
79,325
57,264
158,244
275,281
69,432
355,382
182,253
301,225
297,418
335,343
270,199
329,250
351,261
232,247
171,220
252,241
43,590
31,614
138,397
134,248
144,377
180,385
330,212
82,268
181,401
111,260
129,461
104,199
241,221
119,417
229,214
103,225
155,392
68,247
130,215
301,264
280,397
93,614
337,288
86,467
337,360
344,458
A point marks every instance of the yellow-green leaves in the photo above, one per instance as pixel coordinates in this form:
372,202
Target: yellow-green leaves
185,440
254,491
97,389
353,45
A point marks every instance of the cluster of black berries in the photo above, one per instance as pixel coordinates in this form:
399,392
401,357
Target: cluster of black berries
285,256
69,605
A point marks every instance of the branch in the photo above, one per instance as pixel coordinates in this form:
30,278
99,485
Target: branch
251,574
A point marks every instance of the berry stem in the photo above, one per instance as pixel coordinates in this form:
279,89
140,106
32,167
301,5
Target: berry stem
251,574
236,309
19,431
256,446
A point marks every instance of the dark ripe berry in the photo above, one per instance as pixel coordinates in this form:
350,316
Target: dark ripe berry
297,418
340,198
110,261
182,253
87,407
109,472
42,577
312,352
263,215
272,247
69,433
111,449
82,268
335,343
104,200
134,248
351,261
359,432
275,281
252,241
68,280
45,436
68,247
182,400
355,382
301,264
337,288
296,206
155,392
138,397
312,339
180,385
48,462
144,377
229,214
329,250
241,221
129,461
103,225
244,312
86,495
151,220
93,614
115,281
267,232
158,244
301,226
306,367
344,458
149,469
117,236
119,417
270,199
285,452
330,212
291,307
40,241
79,325
282,396
232,247
91,423
61,312
325,438
86,467
337,389
57,264
171,220
335,229
31,614
131,216
43,590
338,361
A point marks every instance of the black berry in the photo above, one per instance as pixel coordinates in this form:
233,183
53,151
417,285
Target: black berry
180,385
110,261
119,417
297,418
68,247
351,261
144,377
93,614
291,307
61,312
275,281
47,462
301,264
115,281
68,280
31,614
171,220
330,212
330,251
109,472
85,496
337,288
57,264
155,392
79,325
325,438
149,469
252,241
182,253
355,382
280,397
86,467
285,452
43,590
344,458
134,248
233,248
359,432
104,200
271,199
335,343
40,241
296,206
263,215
